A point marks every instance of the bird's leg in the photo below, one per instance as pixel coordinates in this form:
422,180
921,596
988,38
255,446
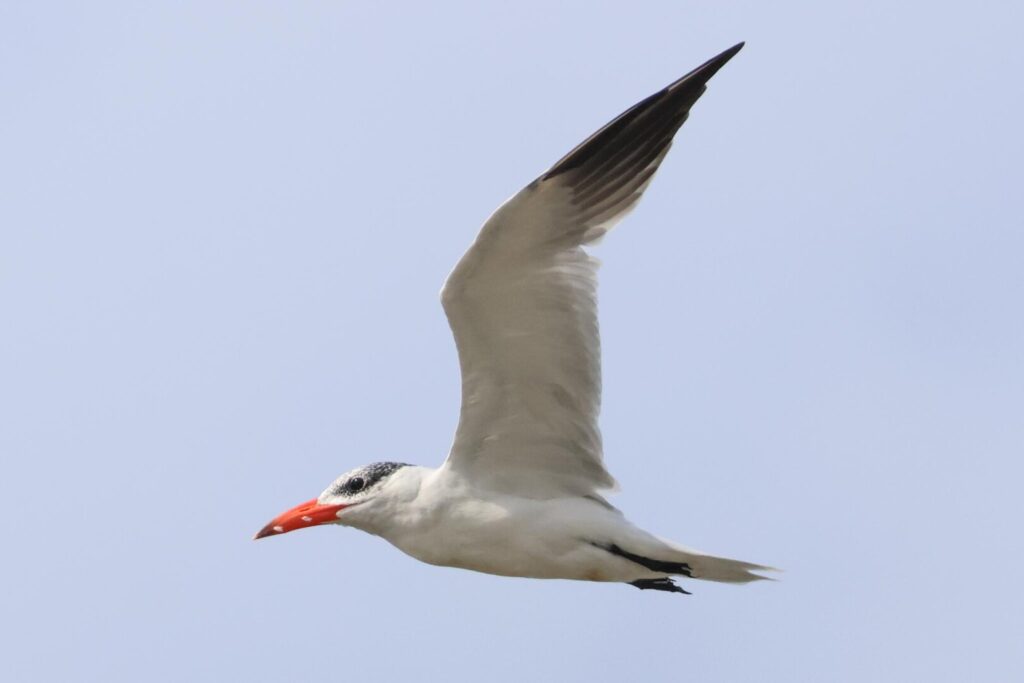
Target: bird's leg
665,584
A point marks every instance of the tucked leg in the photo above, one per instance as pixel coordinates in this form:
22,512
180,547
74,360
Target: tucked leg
659,585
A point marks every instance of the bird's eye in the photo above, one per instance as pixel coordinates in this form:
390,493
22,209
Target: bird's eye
355,484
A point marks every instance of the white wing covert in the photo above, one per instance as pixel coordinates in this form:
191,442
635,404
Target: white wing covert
522,306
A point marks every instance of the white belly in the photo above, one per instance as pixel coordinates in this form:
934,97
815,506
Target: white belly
509,536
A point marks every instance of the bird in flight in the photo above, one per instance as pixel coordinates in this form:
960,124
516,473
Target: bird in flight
520,491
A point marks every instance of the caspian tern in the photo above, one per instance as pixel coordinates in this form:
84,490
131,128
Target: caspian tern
519,494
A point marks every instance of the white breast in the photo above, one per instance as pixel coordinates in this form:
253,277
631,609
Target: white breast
451,524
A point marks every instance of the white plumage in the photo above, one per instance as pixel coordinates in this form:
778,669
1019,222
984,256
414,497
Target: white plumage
520,491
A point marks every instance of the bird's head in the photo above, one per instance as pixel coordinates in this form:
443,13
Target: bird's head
355,499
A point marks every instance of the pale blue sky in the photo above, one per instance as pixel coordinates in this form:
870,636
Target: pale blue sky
223,227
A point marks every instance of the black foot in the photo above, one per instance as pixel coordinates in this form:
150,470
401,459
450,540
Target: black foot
659,585
649,563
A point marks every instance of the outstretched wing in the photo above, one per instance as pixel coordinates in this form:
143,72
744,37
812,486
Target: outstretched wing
522,305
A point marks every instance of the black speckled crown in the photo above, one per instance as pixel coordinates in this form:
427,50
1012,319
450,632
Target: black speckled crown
370,475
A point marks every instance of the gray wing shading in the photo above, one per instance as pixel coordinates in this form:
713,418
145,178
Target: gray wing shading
523,309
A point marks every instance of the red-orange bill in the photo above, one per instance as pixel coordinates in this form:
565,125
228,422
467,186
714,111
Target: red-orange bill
310,513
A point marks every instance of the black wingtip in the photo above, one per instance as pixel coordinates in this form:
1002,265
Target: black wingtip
728,54
734,49
703,73
654,119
